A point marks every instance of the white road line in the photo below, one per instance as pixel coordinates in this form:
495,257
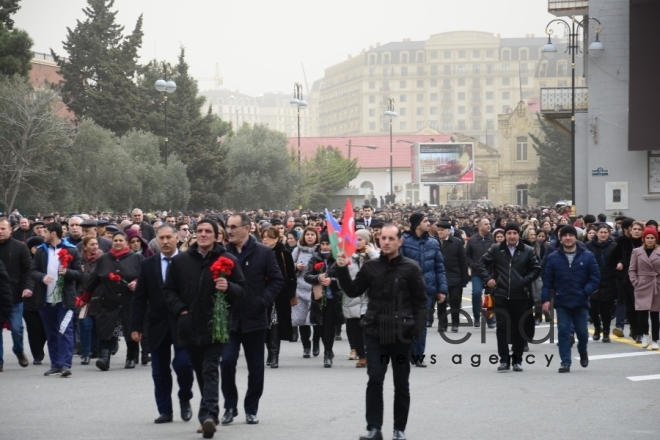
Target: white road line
620,355
641,378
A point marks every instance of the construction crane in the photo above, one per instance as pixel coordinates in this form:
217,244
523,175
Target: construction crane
217,79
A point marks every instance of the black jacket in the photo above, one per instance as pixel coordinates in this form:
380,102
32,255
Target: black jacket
513,274
18,264
22,235
397,297
147,231
149,298
6,302
190,286
476,247
287,292
263,281
456,268
604,253
72,276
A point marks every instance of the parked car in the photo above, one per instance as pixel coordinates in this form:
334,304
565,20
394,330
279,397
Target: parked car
449,168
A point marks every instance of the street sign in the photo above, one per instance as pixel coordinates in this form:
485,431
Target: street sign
600,172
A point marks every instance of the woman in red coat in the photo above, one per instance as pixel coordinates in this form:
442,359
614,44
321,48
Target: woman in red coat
644,275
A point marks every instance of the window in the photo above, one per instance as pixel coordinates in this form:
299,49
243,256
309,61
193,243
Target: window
506,81
521,148
490,124
434,125
446,125
446,111
506,69
461,54
561,69
489,81
403,111
523,54
420,125
475,69
420,70
372,85
460,70
476,82
476,53
446,83
372,99
447,54
420,97
434,70
433,110
461,96
506,95
489,69
372,112
386,85
543,68
386,58
447,69
446,97
461,82
372,72
403,125
476,125
386,71
402,84
476,96
506,55
476,111
404,71
420,111
420,57
523,68
490,53
420,83
521,195
490,109
461,125
434,55
524,80
434,83
372,59
403,98
461,109
372,126
404,59
433,97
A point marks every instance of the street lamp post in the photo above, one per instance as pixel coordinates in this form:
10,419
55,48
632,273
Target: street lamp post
299,103
351,144
168,86
390,113
237,109
595,50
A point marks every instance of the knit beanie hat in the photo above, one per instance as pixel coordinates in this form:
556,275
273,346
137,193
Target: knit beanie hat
325,237
512,227
366,235
415,219
568,229
650,230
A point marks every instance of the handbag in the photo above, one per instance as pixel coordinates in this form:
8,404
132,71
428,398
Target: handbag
488,305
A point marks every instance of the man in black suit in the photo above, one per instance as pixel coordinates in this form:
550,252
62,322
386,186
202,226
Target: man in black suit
149,297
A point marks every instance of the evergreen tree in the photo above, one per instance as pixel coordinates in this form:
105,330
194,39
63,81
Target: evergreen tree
7,9
15,45
100,75
324,174
555,169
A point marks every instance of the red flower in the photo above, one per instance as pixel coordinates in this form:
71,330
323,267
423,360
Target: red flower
114,277
79,302
222,267
319,265
65,257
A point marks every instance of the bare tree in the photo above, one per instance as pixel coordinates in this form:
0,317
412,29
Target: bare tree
30,133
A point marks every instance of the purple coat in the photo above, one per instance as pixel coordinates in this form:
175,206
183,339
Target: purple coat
644,275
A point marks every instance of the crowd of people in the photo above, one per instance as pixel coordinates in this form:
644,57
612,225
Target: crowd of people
82,282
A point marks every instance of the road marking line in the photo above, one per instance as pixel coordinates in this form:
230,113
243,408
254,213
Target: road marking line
640,378
619,355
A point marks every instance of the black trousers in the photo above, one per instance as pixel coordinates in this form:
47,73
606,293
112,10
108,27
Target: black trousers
306,334
36,333
508,313
378,357
627,293
253,346
453,301
161,373
643,319
601,315
205,360
328,328
355,336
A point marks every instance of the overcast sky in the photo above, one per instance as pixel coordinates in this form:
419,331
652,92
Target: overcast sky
259,45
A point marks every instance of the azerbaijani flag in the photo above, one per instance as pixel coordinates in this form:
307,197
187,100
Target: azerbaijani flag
333,232
342,238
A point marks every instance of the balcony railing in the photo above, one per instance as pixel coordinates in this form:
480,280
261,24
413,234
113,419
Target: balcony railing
566,8
558,99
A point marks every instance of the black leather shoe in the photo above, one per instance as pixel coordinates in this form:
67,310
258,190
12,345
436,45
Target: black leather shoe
315,350
37,361
477,324
186,410
145,359
526,348
606,338
164,418
454,329
208,428
327,360
306,353
584,359
398,435
130,363
228,416
517,368
565,368
251,419
373,434
84,360
22,360
504,367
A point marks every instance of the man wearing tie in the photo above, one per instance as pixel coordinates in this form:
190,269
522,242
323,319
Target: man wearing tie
162,323
367,218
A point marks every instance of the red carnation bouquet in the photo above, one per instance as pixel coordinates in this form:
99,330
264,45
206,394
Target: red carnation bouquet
65,259
318,289
115,277
221,268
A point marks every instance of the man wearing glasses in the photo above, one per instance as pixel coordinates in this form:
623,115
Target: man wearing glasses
182,233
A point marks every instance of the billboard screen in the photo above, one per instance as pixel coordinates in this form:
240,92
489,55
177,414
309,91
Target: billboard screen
446,163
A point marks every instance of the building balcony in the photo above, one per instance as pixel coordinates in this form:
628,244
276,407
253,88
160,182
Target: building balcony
567,8
556,101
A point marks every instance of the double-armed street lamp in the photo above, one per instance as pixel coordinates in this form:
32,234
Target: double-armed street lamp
237,109
167,86
298,102
351,144
390,113
574,29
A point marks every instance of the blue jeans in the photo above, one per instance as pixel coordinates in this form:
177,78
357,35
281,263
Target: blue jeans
477,290
620,313
16,325
88,341
567,321
419,342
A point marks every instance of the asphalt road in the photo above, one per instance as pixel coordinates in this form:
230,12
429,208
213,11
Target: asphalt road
303,400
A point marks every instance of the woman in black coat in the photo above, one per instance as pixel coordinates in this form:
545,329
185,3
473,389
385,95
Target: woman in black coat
602,300
281,328
114,299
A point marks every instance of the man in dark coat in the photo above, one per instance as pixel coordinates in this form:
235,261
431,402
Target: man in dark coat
16,258
149,298
250,320
56,300
456,272
477,246
146,230
24,230
5,299
190,292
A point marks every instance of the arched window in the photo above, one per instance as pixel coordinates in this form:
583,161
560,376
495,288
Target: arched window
523,54
404,58
506,54
521,148
420,57
368,185
372,58
386,58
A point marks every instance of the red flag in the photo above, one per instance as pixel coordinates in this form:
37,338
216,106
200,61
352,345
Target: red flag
348,238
